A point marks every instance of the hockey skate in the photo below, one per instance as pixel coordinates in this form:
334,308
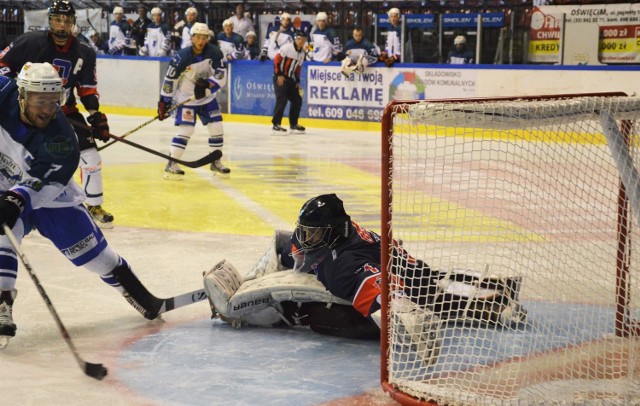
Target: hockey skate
218,168
278,130
101,217
7,326
297,129
173,172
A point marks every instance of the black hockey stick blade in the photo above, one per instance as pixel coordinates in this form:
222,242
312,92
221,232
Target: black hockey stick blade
182,300
96,371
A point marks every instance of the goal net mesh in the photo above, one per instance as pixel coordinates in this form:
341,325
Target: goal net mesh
543,192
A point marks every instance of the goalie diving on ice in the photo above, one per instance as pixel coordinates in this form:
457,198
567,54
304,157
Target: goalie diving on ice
326,275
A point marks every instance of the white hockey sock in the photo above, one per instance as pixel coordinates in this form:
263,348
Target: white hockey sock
91,168
216,135
180,140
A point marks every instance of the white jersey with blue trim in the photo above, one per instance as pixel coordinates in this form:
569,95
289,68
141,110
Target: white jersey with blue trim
276,38
37,163
158,39
326,44
185,68
232,47
186,36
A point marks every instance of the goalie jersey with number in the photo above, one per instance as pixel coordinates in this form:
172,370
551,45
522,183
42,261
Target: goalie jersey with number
185,68
75,62
364,48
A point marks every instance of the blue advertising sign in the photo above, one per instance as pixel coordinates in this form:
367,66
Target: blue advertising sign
490,20
412,21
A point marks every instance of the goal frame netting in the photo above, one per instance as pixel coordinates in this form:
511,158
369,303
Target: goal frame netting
625,325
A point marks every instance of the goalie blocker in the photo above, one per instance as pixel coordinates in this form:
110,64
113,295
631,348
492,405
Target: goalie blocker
270,295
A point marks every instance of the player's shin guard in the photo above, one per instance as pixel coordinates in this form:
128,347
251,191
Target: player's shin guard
135,293
91,168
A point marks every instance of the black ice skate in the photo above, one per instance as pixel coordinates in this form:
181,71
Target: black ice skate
278,130
297,129
7,326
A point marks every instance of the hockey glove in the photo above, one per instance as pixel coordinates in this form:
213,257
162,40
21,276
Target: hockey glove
11,205
113,50
200,90
263,57
390,61
163,106
99,126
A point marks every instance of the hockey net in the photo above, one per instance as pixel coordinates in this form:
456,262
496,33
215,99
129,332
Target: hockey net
544,190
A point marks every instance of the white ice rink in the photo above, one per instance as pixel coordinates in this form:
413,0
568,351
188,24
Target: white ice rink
170,232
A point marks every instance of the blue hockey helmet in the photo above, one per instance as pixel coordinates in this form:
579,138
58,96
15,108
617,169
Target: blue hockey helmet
322,222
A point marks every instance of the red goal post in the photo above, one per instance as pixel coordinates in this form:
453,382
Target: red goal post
531,187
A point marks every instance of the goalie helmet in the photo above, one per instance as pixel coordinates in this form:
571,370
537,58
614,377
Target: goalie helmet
322,222
65,16
200,28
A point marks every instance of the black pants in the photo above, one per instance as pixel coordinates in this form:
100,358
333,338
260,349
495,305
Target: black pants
286,93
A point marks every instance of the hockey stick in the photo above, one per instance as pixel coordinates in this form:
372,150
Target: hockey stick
97,371
213,156
182,300
146,123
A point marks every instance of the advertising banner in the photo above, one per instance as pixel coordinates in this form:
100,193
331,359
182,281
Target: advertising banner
459,20
424,21
594,34
328,94
87,18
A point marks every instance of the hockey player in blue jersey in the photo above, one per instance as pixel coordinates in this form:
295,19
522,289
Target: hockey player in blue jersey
360,53
157,40
39,154
119,33
75,61
325,41
194,72
277,36
231,43
460,54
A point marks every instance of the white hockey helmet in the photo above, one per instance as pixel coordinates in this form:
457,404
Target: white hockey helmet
156,10
227,22
200,28
191,10
118,10
322,16
394,11
38,78
460,40
285,15
251,34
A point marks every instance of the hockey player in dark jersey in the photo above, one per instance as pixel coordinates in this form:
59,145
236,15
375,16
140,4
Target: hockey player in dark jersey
194,72
327,274
360,53
39,154
76,64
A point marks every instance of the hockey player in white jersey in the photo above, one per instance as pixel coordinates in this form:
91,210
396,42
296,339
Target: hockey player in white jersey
325,41
277,37
231,43
360,53
195,72
40,154
183,28
157,41
119,33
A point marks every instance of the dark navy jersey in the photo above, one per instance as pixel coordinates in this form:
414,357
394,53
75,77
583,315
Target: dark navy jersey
37,163
75,62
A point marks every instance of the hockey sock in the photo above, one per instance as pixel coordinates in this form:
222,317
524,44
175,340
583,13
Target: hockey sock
181,139
91,168
216,135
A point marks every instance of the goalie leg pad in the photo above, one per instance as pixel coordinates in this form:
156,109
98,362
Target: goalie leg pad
270,260
417,328
221,283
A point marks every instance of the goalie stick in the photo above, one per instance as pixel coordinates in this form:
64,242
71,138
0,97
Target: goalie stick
182,300
146,123
207,159
96,371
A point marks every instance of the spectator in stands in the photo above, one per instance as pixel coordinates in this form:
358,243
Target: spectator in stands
157,41
140,27
251,45
231,43
325,41
286,84
393,51
119,33
242,23
360,53
182,30
277,36
460,54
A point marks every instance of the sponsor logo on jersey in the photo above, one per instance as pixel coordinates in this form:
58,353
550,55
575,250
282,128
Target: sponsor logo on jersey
81,247
9,169
59,147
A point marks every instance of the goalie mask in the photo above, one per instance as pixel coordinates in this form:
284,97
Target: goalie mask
322,223
62,19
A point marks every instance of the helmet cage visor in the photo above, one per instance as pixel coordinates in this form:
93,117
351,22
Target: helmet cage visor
61,25
313,238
